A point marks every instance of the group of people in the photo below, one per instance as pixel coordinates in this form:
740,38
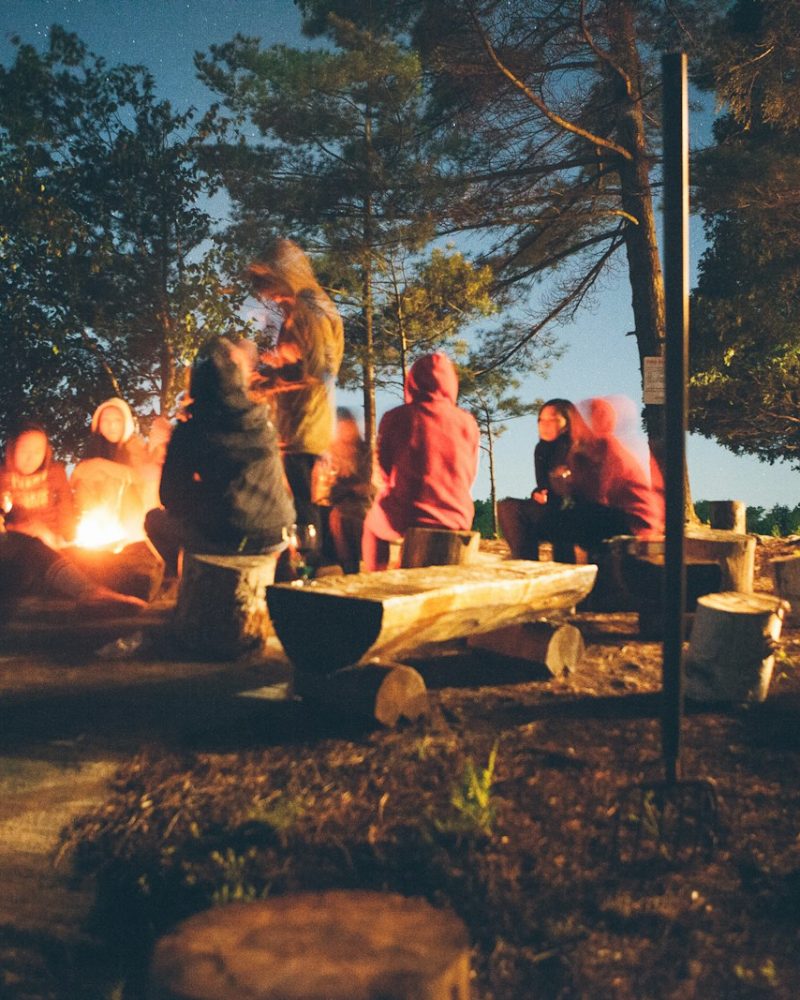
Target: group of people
258,448
589,486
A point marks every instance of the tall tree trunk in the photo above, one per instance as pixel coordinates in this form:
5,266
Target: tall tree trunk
641,240
492,482
368,367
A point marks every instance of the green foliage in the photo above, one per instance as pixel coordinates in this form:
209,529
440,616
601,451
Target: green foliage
107,272
472,810
484,519
234,878
778,521
746,307
354,163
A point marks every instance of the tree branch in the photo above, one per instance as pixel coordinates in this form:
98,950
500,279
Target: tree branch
556,119
601,55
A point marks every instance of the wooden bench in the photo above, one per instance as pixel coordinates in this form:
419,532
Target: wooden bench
337,622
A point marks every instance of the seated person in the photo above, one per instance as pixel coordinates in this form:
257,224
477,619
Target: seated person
39,518
344,490
37,499
526,522
428,454
222,485
111,474
610,491
29,568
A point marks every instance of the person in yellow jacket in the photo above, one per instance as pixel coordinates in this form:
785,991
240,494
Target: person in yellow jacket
300,372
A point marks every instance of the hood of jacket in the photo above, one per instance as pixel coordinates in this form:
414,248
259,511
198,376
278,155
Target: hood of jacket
432,378
129,424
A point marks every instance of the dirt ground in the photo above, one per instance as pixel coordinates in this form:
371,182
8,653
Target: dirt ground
517,805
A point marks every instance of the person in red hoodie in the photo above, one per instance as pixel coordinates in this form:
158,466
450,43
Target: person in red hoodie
428,454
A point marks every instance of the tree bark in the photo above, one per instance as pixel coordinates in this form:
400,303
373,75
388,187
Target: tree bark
731,650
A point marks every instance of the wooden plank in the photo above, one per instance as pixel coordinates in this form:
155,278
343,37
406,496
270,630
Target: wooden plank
338,621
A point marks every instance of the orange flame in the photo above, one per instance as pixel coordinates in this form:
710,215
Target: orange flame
98,529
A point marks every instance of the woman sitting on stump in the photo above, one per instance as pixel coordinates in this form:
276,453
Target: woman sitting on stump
428,454
222,485
527,522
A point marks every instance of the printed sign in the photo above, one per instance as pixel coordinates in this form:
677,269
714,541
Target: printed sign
654,381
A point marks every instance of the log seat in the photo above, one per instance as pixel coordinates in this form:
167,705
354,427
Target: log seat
221,611
334,945
336,622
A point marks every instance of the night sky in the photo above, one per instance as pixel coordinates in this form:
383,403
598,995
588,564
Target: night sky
163,35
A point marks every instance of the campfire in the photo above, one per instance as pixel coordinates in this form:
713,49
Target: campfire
100,528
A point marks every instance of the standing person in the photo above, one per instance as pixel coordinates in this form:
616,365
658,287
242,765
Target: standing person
222,485
37,498
428,453
526,522
302,369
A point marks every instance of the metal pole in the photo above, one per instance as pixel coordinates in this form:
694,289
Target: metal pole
676,285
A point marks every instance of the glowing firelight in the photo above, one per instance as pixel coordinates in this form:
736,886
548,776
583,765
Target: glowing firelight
99,528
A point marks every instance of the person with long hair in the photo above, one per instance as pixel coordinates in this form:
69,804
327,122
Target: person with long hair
525,522
36,495
222,485
300,372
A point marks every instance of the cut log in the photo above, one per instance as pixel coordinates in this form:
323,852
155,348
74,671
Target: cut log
730,655
786,573
438,547
338,621
221,611
728,515
379,691
735,554
336,945
559,647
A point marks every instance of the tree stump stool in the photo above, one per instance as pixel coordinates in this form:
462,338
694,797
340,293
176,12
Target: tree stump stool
728,515
221,611
786,574
735,554
438,547
730,655
336,945
557,646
